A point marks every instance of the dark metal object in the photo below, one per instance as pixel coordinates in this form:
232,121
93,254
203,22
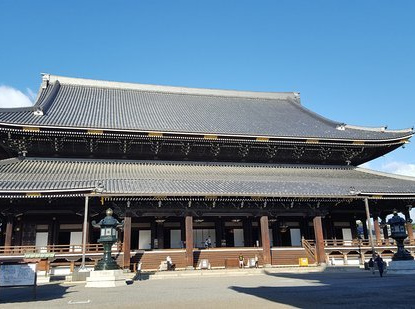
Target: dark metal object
398,232
108,226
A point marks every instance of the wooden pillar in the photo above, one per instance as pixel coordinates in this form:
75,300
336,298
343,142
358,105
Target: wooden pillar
385,230
353,227
84,232
266,249
275,236
55,231
318,231
408,224
365,233
377,230
219,232
9,233
189,242
329,227
154,239
160,235
304,227
247,225
127,242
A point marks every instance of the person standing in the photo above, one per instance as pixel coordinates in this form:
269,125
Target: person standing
241,261
379,262
209,242
371,265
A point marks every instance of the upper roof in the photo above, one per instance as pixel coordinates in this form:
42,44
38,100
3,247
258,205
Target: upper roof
158,178
90,104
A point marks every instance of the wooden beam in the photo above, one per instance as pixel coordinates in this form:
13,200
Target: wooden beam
266,248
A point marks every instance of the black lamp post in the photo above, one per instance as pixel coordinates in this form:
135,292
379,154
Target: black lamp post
109,233
398,232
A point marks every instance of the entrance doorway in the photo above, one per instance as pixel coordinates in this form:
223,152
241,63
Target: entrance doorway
144,239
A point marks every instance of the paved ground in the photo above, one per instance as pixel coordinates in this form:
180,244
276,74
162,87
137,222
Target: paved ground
338,289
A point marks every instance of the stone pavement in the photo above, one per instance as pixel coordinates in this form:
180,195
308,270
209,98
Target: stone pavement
277,289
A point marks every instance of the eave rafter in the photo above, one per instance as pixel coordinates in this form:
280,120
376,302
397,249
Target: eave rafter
149,146
192,136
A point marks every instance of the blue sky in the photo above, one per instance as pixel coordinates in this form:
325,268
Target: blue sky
352,61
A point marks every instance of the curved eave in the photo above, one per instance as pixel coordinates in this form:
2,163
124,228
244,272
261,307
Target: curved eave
404,138
40,192
197,197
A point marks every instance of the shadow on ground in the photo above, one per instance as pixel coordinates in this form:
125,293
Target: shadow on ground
341,290
26,294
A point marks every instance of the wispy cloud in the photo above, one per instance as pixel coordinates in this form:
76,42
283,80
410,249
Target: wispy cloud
11,97
393,167
400,168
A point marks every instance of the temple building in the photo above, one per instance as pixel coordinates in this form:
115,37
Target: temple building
257,173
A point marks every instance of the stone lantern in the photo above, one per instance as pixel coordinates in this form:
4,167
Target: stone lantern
398,232
109,235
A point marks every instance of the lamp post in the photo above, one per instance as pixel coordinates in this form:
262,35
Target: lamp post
109,233
398,232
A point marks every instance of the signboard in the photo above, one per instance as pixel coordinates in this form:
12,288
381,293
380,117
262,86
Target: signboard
17,274
39,255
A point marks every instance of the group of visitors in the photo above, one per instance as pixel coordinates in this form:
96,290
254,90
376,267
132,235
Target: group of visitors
379,263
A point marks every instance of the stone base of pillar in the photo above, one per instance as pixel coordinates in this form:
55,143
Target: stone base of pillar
267,266
79,275
105,279
189,268
401,267
42,277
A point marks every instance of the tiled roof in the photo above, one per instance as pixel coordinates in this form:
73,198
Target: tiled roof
87,104
155,178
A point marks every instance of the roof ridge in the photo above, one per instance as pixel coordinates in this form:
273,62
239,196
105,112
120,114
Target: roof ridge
49,78
191,163
9,161
377,129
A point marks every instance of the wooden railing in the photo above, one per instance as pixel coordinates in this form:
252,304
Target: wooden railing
309,249
329,243
364,243
57,249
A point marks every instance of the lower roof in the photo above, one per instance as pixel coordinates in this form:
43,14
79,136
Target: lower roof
33,176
